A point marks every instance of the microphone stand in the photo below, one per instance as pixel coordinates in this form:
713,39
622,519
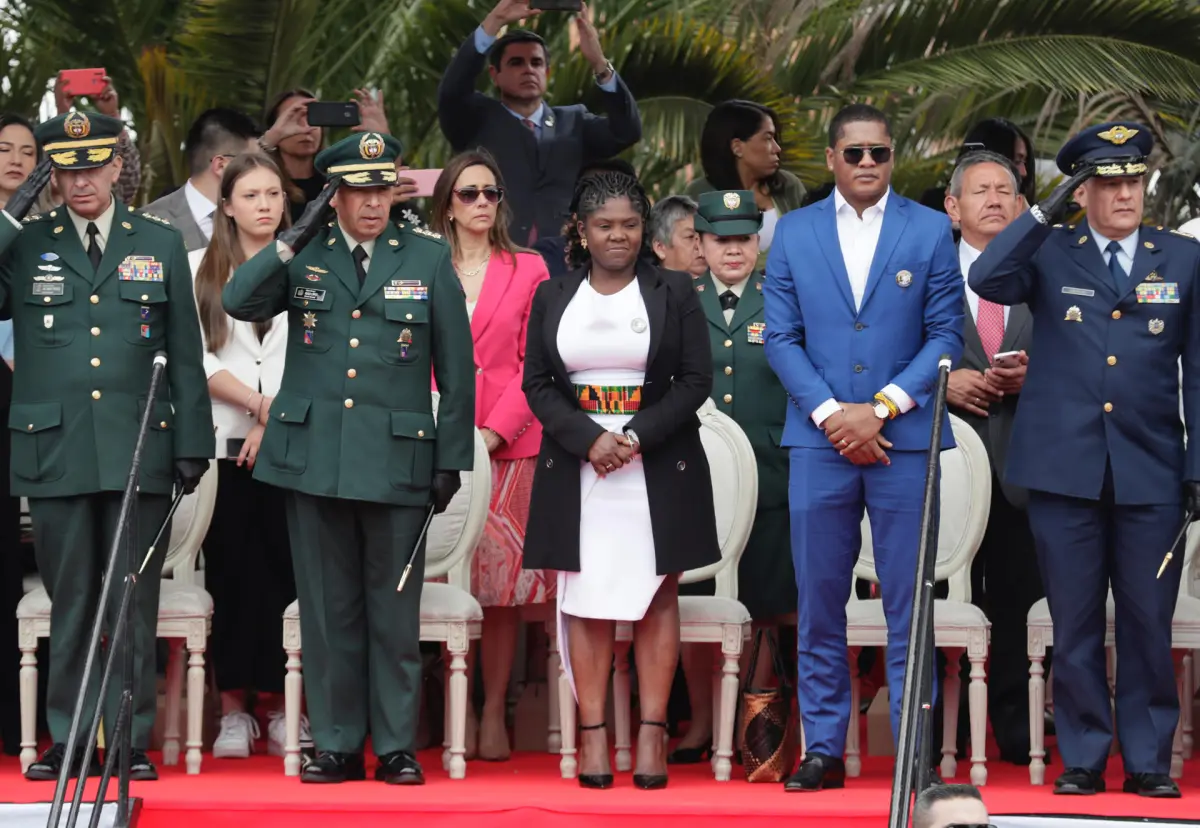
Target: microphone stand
913,750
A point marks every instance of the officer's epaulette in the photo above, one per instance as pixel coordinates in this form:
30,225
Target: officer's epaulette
152,217
36,217
1184,235
417,230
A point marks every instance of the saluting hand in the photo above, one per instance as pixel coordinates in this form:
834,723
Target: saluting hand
309,223
29,190
1053,206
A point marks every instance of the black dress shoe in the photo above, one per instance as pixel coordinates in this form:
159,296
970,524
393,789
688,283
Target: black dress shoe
1154,785
1079,782
817,771
331,767
50,765
399,768
595,781
141,769
651,781
689,756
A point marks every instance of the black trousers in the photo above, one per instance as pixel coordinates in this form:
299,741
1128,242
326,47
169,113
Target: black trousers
248,572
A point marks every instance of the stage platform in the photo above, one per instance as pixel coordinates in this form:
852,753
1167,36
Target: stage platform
527,793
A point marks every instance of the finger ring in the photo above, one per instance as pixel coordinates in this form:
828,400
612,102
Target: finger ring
977,400
844,443
608,467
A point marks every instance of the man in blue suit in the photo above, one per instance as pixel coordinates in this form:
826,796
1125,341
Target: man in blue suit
863,297
1098,441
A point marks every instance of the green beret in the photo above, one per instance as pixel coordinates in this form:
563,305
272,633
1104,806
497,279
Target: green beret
366,160
728,213
79,140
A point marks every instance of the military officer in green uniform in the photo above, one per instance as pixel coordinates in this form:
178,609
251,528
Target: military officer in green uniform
746,389
94,291
374,309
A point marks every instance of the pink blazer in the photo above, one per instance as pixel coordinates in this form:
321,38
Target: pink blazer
498,328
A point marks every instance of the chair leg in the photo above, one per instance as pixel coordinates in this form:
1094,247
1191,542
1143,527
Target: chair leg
554,732
951,698
293,700
458,705
447,709
195,713
1187,709
568,764
723,770
29,693
854,729
170,748
717,665
977,699
622,704
1037,720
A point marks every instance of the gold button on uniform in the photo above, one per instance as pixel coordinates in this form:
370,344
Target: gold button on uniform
95,362
729,398
95,395
352,373
354,343
1107,407
1112,360
1116,314
46,299
145,298
408,316
95,331
420,433
728,343
349,403
356,314
728,370
95,300
163,424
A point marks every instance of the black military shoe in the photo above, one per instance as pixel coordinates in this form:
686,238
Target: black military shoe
399,768
331,767
817,771
1155,785
50,765
1079,782
141,769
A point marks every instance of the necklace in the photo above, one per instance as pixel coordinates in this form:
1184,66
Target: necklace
473,272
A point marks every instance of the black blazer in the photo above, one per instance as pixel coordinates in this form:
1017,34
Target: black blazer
678,381
539,176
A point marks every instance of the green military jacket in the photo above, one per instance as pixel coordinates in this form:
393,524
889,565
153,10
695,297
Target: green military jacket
745,387
353,418
85,341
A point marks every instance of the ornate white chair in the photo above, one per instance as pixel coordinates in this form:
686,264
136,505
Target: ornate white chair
184,620
718,619
958,625
449,613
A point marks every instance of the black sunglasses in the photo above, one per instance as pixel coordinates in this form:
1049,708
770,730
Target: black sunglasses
854,155
469,195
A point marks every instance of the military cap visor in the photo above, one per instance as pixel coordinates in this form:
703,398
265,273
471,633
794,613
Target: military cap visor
1114,149
728,213
79,140
366,160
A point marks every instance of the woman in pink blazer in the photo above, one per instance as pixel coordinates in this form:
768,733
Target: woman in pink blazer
499,280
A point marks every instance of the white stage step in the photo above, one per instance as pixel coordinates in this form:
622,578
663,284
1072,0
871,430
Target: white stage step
36,815
1075,822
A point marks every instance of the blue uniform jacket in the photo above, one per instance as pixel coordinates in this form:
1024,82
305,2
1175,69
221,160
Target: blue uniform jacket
911,315
1105,384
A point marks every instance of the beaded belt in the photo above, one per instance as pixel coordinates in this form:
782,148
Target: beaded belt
609,399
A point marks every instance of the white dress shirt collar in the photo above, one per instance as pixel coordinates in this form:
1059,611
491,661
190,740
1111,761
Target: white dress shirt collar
721,287
351,242
103,224
202,209
876,209
537,117
967,256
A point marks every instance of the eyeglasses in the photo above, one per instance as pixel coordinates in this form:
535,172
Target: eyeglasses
469,195
854,155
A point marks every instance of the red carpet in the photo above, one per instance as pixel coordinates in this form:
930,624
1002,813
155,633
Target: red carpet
527,793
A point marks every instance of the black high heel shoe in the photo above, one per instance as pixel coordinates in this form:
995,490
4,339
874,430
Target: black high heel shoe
597,781
651,781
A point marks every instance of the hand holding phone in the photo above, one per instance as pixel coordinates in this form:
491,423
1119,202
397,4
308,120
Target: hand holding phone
556,5
82,83
333,114
1007,359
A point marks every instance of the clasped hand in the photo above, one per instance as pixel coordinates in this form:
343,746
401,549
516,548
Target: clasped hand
610,452
855,433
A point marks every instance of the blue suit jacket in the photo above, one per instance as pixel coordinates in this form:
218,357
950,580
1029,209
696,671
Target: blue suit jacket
820,347
1097,345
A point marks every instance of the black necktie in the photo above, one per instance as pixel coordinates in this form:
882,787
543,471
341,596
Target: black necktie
729,300
360,264
94,253
1119,275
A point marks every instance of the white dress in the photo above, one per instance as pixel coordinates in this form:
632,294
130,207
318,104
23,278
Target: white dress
605,340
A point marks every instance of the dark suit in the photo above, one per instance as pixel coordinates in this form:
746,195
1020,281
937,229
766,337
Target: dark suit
1099,443
539,174
174,208
1004,577
678,381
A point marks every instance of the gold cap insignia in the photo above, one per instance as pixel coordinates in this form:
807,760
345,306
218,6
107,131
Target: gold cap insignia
77,125
732,201
1117,135
371,146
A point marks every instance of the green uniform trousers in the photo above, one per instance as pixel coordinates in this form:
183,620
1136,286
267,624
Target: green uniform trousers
73,537
362,659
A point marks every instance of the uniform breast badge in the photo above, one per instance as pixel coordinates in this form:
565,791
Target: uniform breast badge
405,340
755,331
1156,326
1074,314
48,321
144,331
310,322
904,278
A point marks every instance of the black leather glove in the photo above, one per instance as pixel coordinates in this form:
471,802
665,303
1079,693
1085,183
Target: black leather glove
1051,209
1191,499
188,473
445,485
28,192
311,220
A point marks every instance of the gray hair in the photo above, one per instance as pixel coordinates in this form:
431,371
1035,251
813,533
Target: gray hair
664,215
934,794
972,159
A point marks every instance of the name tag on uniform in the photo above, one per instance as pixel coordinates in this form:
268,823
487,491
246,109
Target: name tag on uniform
1074,291
48,288
755,331
1158,293
140,269
309,294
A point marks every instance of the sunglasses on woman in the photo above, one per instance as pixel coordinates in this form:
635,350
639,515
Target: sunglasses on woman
469,195
854,155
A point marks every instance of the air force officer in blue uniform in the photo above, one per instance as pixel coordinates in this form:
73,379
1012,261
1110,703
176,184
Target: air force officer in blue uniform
1098,441
863,296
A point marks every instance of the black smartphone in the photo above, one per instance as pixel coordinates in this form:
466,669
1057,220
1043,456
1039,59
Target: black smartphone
557,5
333,114
233,447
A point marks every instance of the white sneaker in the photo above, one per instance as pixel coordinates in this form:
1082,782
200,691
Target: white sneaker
277,733
238,732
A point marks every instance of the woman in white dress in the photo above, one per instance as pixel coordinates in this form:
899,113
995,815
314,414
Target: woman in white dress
616,364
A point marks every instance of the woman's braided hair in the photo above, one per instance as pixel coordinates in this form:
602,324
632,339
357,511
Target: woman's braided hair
591,193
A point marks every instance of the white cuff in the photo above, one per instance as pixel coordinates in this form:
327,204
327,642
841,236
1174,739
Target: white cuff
824,410
15,223
285,253
896,394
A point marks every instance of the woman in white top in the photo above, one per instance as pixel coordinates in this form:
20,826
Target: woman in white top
248,566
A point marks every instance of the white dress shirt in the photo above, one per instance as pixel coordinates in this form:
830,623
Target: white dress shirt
202,209
1124,255
737,289
967,256
368,246
103,224
858,238
256,364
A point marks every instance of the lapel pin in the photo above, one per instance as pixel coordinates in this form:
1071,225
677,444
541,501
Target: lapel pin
393,243
1074,314
58,230
549,120
700,288
1082,239
1156,326
1148,245
904,278
127,225
331,242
